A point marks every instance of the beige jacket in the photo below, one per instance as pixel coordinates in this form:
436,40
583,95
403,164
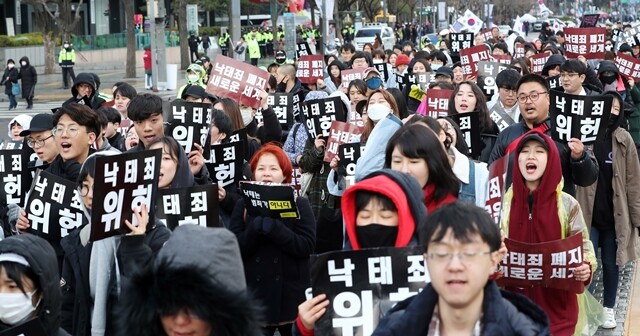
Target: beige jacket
626,197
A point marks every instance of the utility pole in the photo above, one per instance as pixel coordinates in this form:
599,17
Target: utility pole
234,20
158,46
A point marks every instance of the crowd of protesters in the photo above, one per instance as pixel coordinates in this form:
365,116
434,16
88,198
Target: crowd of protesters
416,183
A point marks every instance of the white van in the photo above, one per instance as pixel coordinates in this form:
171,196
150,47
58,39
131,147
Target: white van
367,34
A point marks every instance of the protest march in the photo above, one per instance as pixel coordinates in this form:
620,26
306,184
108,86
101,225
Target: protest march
473,183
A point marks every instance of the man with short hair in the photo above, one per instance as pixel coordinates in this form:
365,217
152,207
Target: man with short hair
145,110
578,164
578,79
506,102
40,138
461,251
346,52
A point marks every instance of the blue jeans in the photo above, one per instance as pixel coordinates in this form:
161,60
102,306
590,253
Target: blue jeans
606,240
12,101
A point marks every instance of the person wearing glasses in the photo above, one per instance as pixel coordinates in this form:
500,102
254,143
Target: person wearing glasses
40,138
578,163
535,211
573,74
505,102
461,250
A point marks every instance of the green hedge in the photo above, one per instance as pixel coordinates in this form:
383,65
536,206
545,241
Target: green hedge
212,30
30,39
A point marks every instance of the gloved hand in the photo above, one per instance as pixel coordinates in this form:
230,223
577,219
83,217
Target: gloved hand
267,224
255,224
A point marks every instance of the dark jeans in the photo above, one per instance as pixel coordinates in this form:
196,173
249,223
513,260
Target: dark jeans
68,72
194,55
12,101
254,61
606,240
285,330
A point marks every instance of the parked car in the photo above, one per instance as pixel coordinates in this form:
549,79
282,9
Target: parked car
367,34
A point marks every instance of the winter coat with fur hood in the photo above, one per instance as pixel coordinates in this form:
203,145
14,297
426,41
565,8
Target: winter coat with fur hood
198,269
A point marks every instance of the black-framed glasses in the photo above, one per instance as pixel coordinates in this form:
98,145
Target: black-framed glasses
533,95
85,190
38,143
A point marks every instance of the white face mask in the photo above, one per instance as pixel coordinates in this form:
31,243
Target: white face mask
10,65
435,67
376,112
247,116
193,78
23,63
15,307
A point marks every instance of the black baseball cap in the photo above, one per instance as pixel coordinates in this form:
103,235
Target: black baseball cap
195,91
40,122
532,136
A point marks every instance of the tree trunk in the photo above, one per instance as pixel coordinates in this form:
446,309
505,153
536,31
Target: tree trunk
130,66
49,52
184,37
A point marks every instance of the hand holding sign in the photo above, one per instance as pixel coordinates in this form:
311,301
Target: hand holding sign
142,216
196,159
577,148
312,310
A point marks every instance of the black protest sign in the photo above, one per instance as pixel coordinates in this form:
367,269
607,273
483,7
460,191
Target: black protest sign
225,162
363,285
285,106
194,205
269,199
421,79
123,182
189,124
303,49
470,128
31,328
349,154
11,145
589,20
555,83
460,41
240,135
488,71
28,155
11,167
318,114
581,117
384,69
53,207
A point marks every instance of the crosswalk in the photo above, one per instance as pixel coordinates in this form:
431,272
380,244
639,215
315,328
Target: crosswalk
22,109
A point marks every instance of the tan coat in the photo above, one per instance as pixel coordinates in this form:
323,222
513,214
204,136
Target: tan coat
626,197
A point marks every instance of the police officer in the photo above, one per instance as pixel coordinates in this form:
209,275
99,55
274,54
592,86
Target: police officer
66,60
254,49
223,42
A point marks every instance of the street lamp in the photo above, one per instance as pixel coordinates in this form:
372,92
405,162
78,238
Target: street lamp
384,11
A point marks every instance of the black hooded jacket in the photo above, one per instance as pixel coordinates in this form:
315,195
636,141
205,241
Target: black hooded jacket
85,78
198,268
28,77
503,313
41,257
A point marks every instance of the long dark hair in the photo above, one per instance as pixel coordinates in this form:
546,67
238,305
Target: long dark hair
416,141
481,105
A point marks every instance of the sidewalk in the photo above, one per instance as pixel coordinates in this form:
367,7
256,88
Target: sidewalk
51,88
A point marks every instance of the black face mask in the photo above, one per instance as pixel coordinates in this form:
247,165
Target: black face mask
608,79
376,235
282,86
